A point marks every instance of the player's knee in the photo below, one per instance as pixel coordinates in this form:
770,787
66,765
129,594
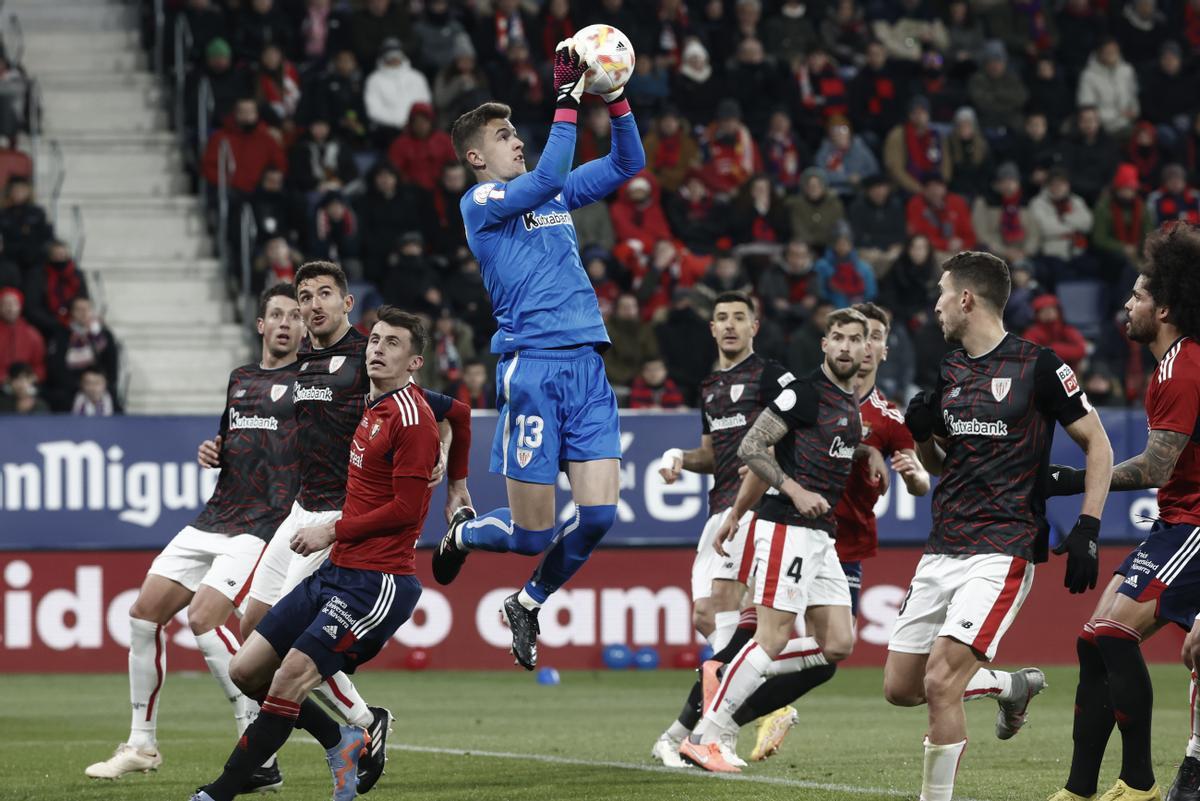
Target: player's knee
838,648
141,610
940,686
595,521
771,642
702,619
530,543
244,675
900,690
296,675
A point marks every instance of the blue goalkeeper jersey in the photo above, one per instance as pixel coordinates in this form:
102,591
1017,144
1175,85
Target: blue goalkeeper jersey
522,234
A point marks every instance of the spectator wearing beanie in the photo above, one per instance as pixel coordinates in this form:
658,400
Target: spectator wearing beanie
844,278
19,341
997,92
1121,224
460,86
1002,222
1146,156
637,214
1167,93
815,211
421,151
251,145
1174,200
671,150
1018,312
226,83
1051,331
913,151
877,218
942,217
393,89
695,87
969,154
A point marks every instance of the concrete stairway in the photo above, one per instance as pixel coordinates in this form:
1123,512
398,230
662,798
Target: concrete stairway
146,249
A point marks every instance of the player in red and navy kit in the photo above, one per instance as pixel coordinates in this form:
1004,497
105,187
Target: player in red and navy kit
986,432
1159,582
208,565
343,614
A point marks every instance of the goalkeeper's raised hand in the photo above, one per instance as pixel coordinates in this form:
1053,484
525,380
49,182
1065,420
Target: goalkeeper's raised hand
569,69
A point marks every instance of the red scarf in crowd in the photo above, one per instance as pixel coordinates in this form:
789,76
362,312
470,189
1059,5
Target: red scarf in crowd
1184,206
669,150
62,286
1128,233
1011,230
1063,208
924,152
847,281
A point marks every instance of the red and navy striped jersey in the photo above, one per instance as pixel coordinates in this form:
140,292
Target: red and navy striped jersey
1173,404
997,419
259,472
393,452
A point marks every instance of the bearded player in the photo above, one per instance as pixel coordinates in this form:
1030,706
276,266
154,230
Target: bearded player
557,410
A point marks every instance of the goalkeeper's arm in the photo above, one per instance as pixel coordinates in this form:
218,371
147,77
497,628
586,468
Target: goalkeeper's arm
600,178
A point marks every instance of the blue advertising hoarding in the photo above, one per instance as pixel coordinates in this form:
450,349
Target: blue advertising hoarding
133,482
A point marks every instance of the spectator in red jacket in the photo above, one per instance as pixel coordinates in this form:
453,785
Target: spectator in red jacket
731,156
1051,331
654,389
637,215
49,289
421,151
941,216
253,146
473,388
19,341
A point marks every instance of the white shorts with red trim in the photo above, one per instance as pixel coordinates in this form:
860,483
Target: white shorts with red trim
796,567
225,562
282,568
973,599
709,564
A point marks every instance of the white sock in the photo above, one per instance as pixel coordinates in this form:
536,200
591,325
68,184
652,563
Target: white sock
988,683
677,731
742,678
147,669
339,693
800,653
726,624
526,600
218,646
1193,746
941,764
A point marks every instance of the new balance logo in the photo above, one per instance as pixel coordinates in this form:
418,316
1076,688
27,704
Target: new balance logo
331,630
966,624
1132,581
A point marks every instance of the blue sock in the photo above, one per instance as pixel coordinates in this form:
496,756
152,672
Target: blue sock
573,544
496,532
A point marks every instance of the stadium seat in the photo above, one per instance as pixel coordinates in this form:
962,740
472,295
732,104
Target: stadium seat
1083,305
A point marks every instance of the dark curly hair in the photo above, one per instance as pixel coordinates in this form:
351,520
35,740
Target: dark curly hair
1172,271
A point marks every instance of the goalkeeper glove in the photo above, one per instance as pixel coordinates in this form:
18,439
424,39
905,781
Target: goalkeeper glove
1083,555
569,69
922,415
1062,480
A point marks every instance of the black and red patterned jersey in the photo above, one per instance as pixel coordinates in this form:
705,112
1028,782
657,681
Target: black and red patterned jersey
1173,404
331,388
997,419
259,470
392,456
824,429
884,429
730,402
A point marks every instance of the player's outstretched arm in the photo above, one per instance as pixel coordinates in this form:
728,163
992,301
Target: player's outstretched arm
1091,437
698,460
598,179
1150,469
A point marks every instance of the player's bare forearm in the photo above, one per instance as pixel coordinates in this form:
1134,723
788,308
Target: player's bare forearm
931,455
699,460
1152,467
750,492
756,449
914,476
1091,437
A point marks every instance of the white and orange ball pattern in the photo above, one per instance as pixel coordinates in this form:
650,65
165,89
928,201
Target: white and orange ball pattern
613,55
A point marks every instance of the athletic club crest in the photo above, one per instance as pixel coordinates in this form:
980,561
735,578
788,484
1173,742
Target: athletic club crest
1000,388
278,391
524,455
735,392
336,363
375,429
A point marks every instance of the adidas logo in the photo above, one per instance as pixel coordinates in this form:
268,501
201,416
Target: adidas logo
331,630
620,46
1132,581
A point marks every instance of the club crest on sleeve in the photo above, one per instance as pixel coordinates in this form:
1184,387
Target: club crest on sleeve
1066,377
278,391
336,363
480,195
524,456
1000,388
735,392
375,429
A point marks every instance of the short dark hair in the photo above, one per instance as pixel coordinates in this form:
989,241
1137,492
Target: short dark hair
284,289
1172,279
398,318
845,316
874,311
315,269
466,129
18,369
94,370
734,297
982,273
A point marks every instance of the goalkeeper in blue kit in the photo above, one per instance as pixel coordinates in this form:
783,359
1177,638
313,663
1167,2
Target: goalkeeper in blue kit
557,410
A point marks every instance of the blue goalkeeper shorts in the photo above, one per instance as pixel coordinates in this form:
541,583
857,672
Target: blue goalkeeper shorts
555,406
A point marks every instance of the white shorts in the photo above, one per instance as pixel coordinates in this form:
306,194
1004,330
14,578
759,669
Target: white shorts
222,561
796,567
709,564
282,568
973,599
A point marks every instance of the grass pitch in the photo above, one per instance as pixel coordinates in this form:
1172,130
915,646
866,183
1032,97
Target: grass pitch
501,736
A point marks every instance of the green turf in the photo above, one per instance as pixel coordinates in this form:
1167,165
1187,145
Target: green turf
56,725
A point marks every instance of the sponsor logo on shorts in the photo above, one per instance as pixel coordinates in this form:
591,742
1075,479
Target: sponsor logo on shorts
336,608
1132,580
312,394
728,565
524,455
966,624
724,423
231,582
331,630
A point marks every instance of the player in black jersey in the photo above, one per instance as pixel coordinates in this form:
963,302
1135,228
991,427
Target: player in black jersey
986,431
208,565
815,429
730,399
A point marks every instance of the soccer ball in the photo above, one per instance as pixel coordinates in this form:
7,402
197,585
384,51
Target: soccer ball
613,54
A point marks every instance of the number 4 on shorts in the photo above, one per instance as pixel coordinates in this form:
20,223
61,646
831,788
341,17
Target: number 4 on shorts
793,571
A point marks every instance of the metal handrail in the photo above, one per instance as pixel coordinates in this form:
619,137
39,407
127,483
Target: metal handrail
17,51
183,46
224,161
249,236
160,29
34,114
59,171
205,104
80,231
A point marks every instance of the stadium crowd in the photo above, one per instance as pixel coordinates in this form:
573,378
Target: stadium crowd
814,153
